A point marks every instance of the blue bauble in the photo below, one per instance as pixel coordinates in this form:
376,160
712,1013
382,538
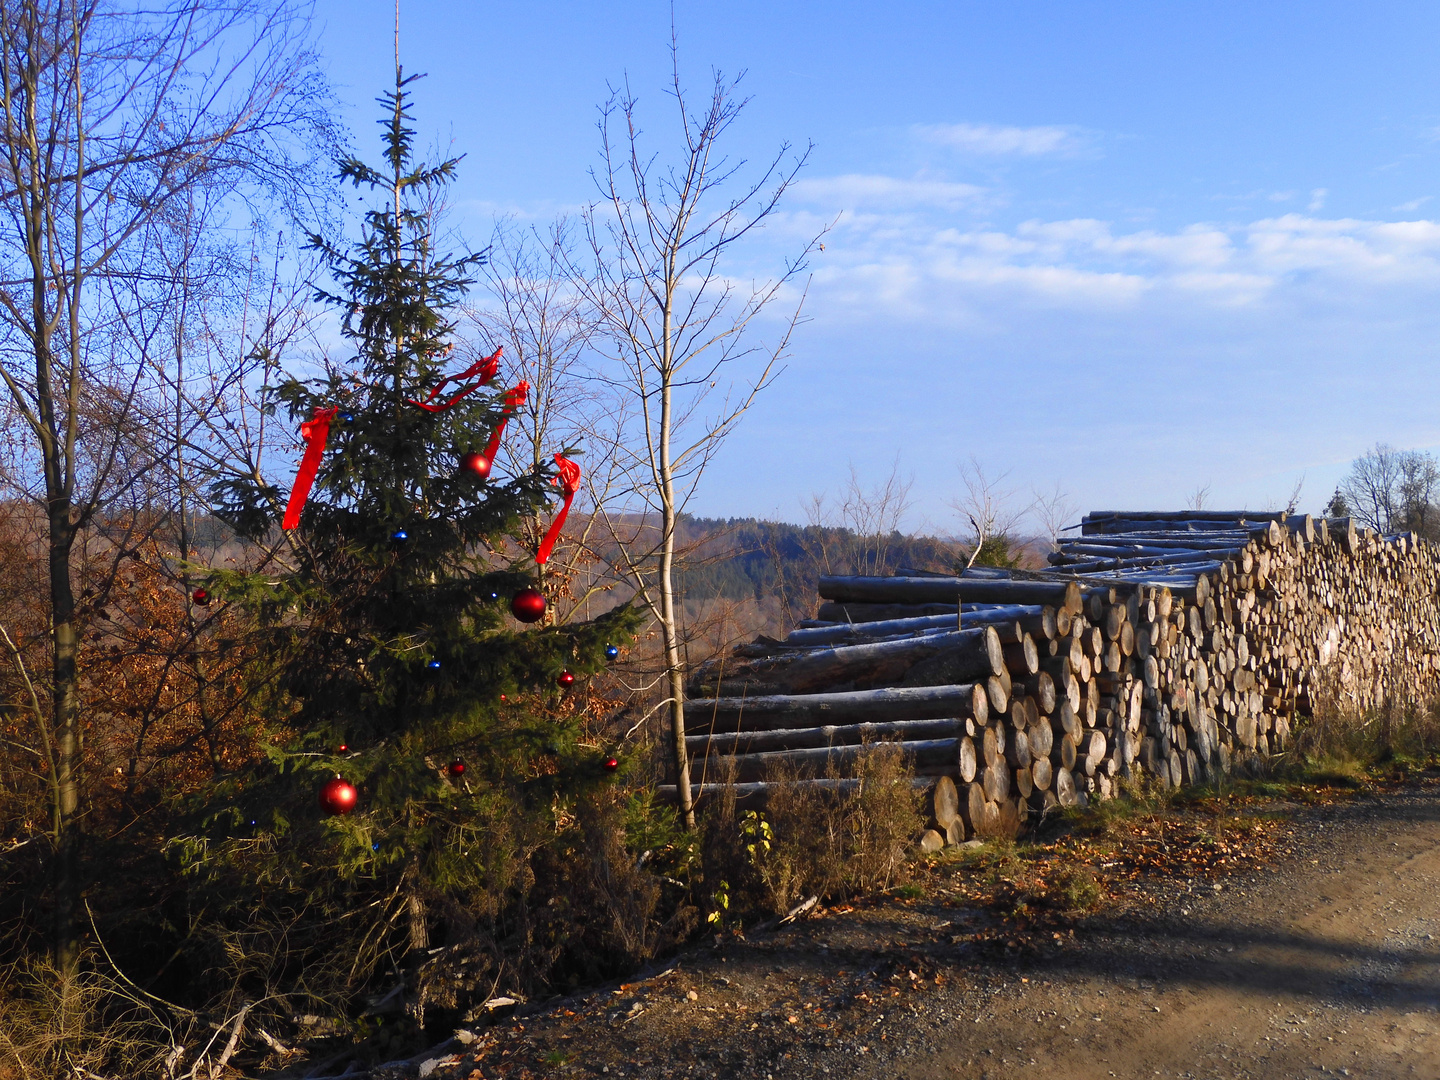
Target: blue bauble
611,652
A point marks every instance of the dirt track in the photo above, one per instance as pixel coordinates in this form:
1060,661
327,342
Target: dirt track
1325,963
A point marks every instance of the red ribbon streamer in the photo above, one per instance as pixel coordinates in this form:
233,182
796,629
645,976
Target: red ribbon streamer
487,367
315,432
513,400
569,482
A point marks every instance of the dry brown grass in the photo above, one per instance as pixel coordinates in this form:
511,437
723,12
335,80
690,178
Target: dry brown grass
809,841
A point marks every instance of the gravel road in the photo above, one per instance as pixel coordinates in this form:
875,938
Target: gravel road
1326,962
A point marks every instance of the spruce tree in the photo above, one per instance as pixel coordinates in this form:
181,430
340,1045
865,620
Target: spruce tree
393,655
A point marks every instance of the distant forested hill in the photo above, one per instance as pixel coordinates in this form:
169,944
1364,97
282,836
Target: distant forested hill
743,558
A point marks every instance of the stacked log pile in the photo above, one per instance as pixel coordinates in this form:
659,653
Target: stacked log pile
1174,644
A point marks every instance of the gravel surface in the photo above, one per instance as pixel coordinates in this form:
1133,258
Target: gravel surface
1308,947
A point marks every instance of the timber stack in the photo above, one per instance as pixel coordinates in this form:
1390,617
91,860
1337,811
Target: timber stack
1174,644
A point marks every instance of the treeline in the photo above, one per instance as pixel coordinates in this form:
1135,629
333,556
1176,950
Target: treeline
740,558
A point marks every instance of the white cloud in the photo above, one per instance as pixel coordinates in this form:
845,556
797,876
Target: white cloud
998,140
1413,204
860,191
914,263
1317,199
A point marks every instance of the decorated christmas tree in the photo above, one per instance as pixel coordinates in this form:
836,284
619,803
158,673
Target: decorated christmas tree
425,730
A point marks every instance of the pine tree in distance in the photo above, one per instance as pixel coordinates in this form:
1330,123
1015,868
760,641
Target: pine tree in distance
391,642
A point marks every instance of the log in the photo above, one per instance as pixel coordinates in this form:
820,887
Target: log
991,746
967,759
1064,752
1042,688
1017,749
945,803
1065,792
841,633
750,742
757,794
1023,782
1041,774
773,765
1022,659
998,691
926,590
864,613
841,709
930,660
1095,749
1042,738
996,781
972,807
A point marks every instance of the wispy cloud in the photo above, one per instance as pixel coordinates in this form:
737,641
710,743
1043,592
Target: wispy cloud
1413,204
912,264
1317,199
1001,141
857,191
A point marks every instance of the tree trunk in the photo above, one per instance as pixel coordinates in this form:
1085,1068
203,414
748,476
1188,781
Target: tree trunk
674,668
68,743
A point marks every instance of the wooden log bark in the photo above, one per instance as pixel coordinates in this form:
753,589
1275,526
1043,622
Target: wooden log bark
940,754
898,590
845,633
756,795
841,709
864,613
751,742
1022,658
972,806
934,659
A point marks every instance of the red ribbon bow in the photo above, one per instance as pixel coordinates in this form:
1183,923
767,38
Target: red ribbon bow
569,483
486,368
514,398
315,432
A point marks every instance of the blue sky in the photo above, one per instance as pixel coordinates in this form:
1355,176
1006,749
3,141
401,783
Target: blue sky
1130,248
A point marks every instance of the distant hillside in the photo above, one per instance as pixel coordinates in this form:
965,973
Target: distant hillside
747,559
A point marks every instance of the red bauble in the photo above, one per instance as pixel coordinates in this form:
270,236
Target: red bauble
475,463
457,768
342,748
201,597
338,796
528,605
566,679
611,764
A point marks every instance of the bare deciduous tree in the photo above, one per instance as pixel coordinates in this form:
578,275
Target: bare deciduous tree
545,322
854,534
1389,490
1053,511
111,114
676,325
989,508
